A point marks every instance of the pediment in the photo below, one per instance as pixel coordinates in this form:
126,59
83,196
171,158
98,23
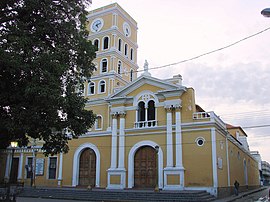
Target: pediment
145,83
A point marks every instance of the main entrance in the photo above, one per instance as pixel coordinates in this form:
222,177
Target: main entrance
87,170
145,168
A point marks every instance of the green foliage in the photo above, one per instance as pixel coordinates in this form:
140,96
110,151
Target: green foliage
44,58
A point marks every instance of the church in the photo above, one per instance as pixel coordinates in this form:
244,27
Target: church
149,132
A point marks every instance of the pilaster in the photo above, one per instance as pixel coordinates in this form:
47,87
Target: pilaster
117,174
169,138
20,166
60,170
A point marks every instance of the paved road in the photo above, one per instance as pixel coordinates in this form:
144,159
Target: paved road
259,196
22,199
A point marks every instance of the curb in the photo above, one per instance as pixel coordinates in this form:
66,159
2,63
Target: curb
247,193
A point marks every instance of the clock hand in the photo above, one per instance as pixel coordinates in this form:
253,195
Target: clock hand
97,25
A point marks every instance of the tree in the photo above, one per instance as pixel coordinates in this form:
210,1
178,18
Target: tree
44,59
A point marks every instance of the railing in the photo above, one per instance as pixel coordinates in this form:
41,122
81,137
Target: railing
201,115
145,124
208,115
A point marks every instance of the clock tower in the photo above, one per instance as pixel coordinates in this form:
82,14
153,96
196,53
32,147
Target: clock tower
114,32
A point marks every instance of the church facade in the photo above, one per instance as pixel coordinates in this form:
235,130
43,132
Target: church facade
149,132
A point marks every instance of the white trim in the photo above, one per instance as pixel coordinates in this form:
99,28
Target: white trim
131,156
197,141
126,50
119,172
99,87
103,38
101,65
119,39
169,138
96,122
20,166
76,163
48,167
60,169
121,153
214,157
93,43
174,171
178,140
88,88
137,99
114,143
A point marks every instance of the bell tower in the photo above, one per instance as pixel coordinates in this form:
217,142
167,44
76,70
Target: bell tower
114,32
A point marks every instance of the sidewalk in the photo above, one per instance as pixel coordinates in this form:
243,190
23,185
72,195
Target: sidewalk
240,195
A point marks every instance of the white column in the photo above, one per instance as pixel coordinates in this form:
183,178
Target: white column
7,166
169,138
178,139
114,40
121,159
20,166
214,157
114,141
146,116
60,169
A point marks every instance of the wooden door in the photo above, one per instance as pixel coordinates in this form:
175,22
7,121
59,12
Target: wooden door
14,170
145,168
87,175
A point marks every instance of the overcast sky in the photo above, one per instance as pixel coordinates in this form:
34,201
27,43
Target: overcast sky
233,82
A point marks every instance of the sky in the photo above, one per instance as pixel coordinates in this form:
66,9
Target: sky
233,82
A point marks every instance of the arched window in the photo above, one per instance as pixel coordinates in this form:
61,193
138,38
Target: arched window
119,67
91,88
141,111
105,43
102,87
98,124
104,65
96,44
120,44
146,114
126,50
131,54
151,115
131,75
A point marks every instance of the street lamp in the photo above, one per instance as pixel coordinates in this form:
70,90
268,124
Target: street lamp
157,149
13,145
266,12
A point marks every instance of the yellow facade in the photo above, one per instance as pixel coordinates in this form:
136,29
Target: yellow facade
149,132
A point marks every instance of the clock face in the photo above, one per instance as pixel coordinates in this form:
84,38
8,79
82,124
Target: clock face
126,29
96,25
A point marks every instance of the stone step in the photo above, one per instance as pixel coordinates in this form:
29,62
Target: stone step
116,195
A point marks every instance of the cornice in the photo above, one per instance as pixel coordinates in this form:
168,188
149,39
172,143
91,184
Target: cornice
115,9
115,53
111,31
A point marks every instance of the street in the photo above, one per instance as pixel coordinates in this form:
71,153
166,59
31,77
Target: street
24,199
259,196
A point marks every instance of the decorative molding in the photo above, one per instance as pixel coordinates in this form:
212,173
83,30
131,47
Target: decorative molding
115,172
131,156
76,163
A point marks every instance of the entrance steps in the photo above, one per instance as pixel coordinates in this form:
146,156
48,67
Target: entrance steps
115,195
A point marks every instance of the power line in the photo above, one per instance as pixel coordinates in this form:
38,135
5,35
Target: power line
210,52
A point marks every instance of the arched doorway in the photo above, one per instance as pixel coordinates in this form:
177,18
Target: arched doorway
145,167
87,168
